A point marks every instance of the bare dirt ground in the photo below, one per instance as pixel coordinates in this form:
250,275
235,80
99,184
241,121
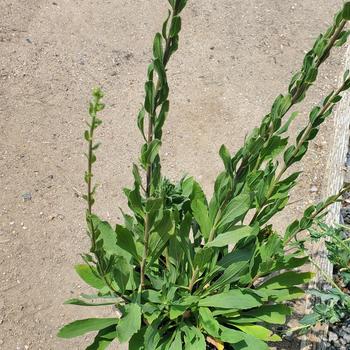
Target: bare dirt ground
235,57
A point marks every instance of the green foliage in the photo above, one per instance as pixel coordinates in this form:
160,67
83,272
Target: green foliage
185,271
332,304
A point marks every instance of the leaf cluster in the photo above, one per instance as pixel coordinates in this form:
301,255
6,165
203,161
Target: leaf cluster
332,305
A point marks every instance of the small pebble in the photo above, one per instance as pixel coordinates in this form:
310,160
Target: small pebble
27,196
332,337
313,189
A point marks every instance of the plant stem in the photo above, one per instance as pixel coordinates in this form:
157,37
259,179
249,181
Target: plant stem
324,274
89,182
319,61
145,252
151,117
300,90
210,238
193,279
300,143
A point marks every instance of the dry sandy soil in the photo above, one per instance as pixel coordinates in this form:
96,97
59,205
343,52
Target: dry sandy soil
235,57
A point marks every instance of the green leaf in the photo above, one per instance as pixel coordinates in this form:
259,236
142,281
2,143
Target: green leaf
291,230
151,152
342,38
274,147
125,240
161,119
310,319
287,279
201,215
176,311
259,332
80,327
158,47
140,122
160,69
121,272
232,265
180,4
234,236
137,340
149,99
136,174
208,322
165,24
172,3
202,258
152,336
285,127
90,276
177,342
280,295
241,341
235,210
175,26
103,339
130,323
194,339
153,204
134,199
87,135
81,302
274,314
226,158
233,299
346,11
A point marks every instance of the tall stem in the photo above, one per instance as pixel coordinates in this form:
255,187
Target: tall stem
89,182
298,146
151,117
302,88
325,276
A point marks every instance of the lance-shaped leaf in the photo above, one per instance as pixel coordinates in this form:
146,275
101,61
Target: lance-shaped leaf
287,279
234,299
158,46
201,215
81,302
81,327
103,339
193,338
175,27
161,119
125,241
208,322
121,272
259,332
233,236
150,152
241,340
130,323
274,314
90,276
150,96
235,210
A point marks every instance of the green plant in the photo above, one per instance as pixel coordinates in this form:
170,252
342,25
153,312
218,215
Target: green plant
184,271
332,304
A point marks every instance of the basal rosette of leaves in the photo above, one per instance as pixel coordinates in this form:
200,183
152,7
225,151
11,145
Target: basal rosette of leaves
184,271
